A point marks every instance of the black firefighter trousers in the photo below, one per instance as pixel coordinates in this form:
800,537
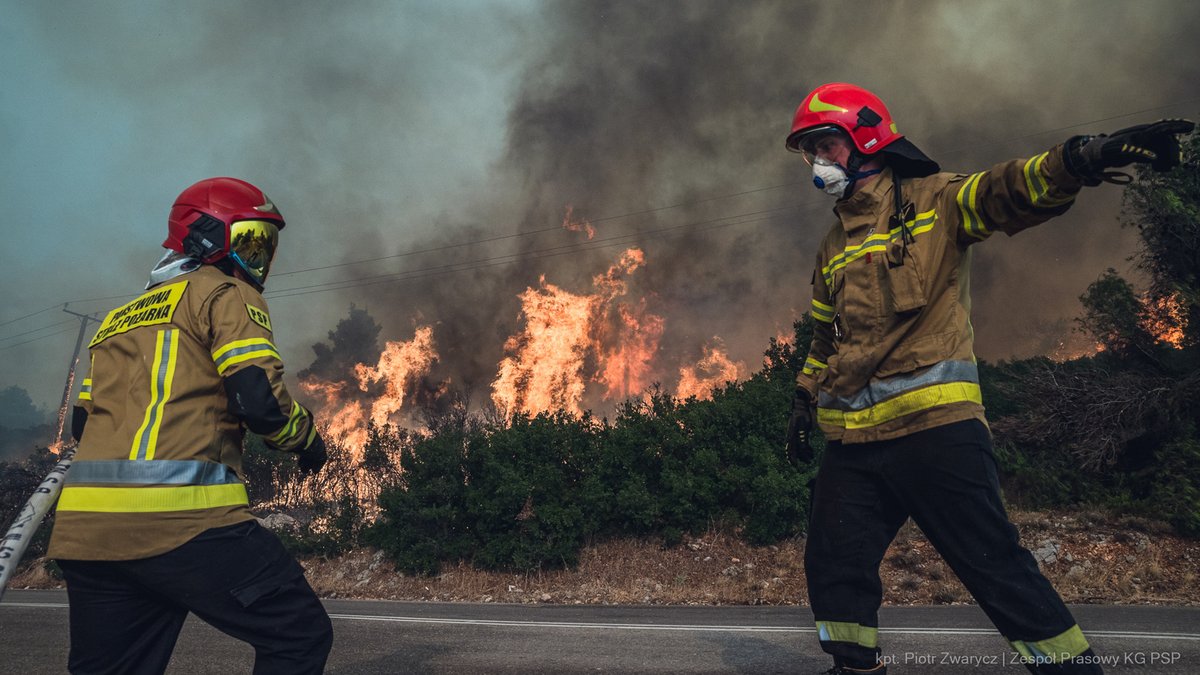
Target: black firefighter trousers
126,615
945,479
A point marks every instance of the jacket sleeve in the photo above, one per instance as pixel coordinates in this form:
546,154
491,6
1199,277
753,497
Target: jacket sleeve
252,369
822,345
1010,197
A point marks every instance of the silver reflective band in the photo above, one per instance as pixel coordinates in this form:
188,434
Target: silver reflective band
262,346
878,390
151,472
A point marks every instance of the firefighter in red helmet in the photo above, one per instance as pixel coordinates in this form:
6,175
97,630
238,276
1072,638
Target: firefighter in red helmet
153,521
891,376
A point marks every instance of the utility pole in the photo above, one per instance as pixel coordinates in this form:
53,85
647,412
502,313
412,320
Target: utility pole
66,399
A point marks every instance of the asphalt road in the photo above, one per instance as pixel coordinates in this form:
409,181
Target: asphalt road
410,637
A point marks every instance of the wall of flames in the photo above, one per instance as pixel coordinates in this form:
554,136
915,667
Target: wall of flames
573,349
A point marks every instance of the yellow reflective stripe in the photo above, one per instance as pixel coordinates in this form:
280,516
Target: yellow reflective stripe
242,350
1038,186
312,433
842,631
1034,182
972,221
151,499
904,404
877,243
821,311
1066,645
166,349
289,430
812,365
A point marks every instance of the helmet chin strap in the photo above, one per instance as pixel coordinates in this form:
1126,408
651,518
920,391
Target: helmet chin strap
857,159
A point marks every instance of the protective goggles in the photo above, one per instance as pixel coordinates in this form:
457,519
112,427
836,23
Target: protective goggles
813,141
252,245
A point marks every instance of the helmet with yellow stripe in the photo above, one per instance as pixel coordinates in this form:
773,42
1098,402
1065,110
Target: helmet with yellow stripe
848,109
219,220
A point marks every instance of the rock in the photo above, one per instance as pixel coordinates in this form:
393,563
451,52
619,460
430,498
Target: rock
279,521
731,571
544,597
1047,552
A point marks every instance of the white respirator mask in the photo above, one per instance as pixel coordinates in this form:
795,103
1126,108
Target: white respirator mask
829,177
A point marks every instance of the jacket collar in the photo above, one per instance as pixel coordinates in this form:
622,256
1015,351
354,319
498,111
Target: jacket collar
867,201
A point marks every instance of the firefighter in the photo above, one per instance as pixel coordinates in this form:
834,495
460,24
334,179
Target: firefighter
153,521
892,375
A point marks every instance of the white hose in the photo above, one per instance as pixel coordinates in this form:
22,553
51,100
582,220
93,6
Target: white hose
14,543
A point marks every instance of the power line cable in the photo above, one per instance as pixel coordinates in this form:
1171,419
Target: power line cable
43,337
47,309
53,325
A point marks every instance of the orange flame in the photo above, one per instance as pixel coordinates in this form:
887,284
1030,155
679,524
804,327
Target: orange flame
344,415
391,382
713,370
400,367
1165,319
573,225
543,370
625,367
545,364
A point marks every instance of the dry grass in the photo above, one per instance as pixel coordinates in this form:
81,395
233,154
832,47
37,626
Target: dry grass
1100,559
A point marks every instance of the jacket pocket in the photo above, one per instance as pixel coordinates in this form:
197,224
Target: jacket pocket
918,352
903,279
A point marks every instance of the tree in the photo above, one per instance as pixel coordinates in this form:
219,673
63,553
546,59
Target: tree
1165,209
1113,314
355,340
17,410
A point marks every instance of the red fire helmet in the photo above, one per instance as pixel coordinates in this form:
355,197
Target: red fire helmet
850,108
226,217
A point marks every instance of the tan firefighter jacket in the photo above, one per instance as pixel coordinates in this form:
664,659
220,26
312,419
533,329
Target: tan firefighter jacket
174,376
892,347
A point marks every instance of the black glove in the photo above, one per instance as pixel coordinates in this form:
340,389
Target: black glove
1156,144
312,457
798,449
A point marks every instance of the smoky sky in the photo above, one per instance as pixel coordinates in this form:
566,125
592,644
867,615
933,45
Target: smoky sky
464,130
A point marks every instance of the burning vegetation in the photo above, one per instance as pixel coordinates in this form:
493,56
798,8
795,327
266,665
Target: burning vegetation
572,350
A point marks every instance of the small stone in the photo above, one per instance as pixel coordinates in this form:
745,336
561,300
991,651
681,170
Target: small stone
544,597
